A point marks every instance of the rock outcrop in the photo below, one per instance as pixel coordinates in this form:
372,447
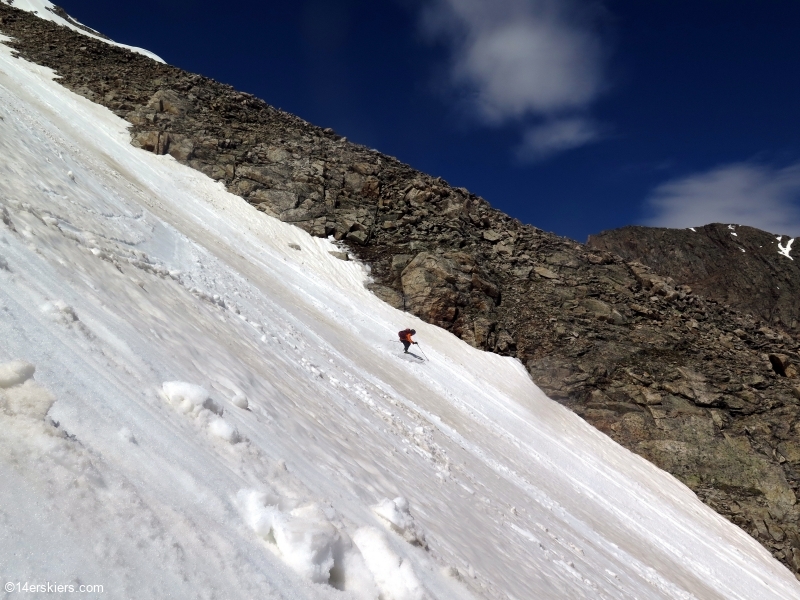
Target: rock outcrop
704,391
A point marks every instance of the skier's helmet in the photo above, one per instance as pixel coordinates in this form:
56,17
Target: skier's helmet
413,332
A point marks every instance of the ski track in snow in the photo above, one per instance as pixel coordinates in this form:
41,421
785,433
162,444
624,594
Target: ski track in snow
217,414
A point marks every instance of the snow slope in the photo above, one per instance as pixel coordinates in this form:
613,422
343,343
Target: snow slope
46,10
219,409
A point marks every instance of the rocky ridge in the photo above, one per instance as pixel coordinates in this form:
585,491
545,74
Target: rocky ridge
683,380
746,268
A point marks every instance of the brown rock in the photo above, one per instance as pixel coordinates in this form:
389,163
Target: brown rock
545,272
429,287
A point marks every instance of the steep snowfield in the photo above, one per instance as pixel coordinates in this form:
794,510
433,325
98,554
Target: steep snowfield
219,409
46,10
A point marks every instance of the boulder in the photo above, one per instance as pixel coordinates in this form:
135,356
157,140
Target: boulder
429,285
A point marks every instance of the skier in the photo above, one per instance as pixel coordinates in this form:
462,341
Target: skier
405,337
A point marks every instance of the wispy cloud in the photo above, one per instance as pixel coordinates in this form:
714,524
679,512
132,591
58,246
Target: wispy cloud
744,193
525,60
557,136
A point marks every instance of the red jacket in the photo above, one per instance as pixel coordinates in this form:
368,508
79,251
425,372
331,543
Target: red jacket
405,336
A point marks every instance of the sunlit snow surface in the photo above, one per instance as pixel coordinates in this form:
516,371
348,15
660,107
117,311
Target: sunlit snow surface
154,306
44,10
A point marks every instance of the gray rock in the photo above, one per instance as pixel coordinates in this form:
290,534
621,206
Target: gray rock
399,261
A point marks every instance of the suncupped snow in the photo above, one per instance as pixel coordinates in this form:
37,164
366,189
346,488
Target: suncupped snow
197,400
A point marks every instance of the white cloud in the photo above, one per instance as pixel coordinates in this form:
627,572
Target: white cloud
521,57
742,193
556,136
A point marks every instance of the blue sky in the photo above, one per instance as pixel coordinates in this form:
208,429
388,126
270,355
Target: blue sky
573,115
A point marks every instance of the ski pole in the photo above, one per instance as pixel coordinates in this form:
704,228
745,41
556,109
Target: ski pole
423,352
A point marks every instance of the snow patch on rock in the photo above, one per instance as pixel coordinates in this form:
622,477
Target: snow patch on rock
785,249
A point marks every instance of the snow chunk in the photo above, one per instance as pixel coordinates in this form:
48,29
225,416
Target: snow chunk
350,572
785,250
126,435
26,400
224,430
306,540
397,514
260,510
15,373
692,229
60,311
239,400
304,537
395,577
189,398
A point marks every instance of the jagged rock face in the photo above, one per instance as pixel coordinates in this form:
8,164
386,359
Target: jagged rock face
741,266
678,378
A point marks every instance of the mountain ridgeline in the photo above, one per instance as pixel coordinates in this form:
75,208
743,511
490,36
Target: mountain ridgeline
702,388
745,268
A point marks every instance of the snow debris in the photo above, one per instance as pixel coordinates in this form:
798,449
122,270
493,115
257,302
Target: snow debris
20,395
397,515
189,398
239,400
223,430
60,311
125,435
731,227
394,576
27,400
15,373
308,542
785,250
